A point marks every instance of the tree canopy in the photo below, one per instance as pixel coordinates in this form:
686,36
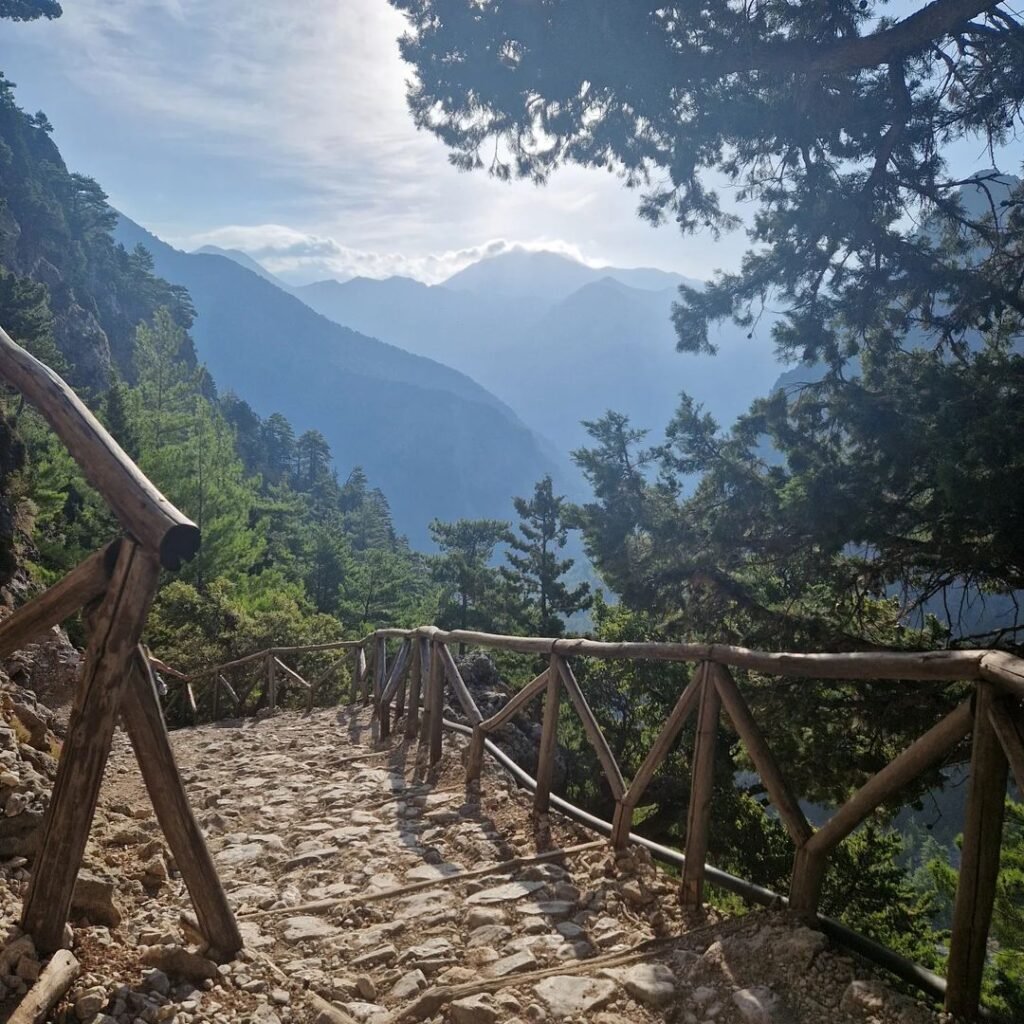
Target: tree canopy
830,121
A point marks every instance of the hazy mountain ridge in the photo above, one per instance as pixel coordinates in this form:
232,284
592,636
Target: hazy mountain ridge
435,441
584,340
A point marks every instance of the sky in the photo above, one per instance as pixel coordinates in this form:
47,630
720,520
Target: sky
281,129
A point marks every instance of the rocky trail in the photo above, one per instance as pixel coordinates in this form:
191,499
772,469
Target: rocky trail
369,888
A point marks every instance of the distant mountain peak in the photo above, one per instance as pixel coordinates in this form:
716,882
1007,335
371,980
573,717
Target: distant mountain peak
243,260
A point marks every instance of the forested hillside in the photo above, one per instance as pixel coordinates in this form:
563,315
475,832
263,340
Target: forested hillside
604,336
374,403
292,550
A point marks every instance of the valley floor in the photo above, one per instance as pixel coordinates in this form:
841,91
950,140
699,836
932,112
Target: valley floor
415,916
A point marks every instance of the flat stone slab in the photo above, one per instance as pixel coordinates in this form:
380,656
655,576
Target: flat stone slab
514,964
547,908
307,929
431,872
568,995
311,857
651,984
503,893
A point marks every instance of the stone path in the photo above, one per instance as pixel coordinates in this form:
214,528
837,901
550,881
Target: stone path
363,879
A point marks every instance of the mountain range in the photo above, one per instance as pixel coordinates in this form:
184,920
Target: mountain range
436,442
556,340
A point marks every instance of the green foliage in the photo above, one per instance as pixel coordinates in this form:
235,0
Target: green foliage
830,122
29,10
1004,972
534,568
473,595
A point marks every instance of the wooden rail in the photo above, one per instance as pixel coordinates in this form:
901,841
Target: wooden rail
114,588
993,719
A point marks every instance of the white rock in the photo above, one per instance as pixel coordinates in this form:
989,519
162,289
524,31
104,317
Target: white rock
755,1004
473,1010
569,995
652,984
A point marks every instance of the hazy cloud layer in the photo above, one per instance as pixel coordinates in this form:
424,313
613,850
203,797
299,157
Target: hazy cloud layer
196,115
300,258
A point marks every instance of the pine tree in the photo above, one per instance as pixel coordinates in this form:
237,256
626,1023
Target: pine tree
537,571
471,585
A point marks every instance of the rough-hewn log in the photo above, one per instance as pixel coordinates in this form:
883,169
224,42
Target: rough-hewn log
475,755
230,690
237,663
270,674
519,700
469,707
115,630
702,780
436,716
48,990
397,673
83,584
1005,670
597,740
1008,727
923,665
421,658
359,675
548,739
140,508
760,753
921,755
164,669
979,862
292,674
148,734
659,749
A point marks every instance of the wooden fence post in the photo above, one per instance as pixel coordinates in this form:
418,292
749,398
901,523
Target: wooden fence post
548,738
271,676
115,630
979,861
698,818
148,734
419,660
380,671
436,702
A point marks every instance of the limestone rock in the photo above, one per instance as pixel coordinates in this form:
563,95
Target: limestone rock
178,962
94,898
755,1005
651,984
570,995
473,1010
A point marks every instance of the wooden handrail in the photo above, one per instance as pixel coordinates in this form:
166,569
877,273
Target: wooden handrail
140,508
83,584
712,692
1004,669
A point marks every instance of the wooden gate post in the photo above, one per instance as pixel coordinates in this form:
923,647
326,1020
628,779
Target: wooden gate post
698,818
115,630
548,738
979,861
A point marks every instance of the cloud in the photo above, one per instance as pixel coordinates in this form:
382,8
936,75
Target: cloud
299,257
195,114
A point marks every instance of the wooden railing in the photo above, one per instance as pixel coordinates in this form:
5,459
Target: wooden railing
114,589
412,684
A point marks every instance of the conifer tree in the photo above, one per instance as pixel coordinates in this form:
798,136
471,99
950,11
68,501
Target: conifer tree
534,568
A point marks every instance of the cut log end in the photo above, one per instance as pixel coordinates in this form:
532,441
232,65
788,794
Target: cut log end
179,545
